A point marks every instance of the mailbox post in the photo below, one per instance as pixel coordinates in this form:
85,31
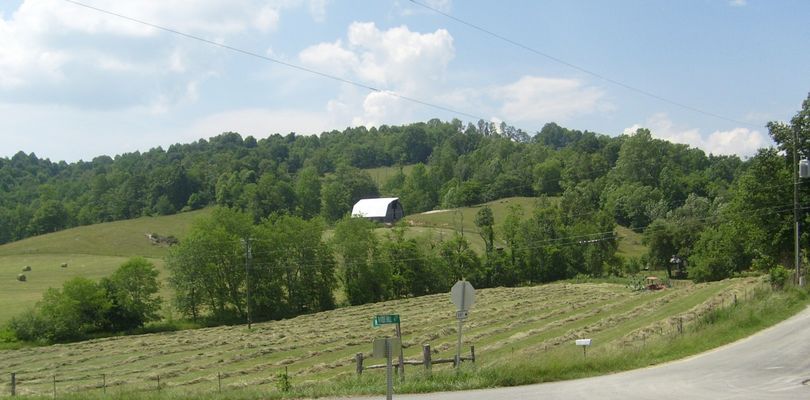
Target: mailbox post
584,343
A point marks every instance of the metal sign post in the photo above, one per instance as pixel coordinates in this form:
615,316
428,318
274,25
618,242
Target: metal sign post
392,319
463,296
401,356
386,347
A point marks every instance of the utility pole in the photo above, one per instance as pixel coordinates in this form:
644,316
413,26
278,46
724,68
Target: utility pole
248,257
797,261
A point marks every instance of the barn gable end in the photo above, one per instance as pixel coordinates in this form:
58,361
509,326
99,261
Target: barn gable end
386,210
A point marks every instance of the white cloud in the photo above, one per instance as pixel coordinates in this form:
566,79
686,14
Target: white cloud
260,122
415,65
737,3
539,99
398,59
409,9
267,19
441,5
44,41
743,142
330,57
317,8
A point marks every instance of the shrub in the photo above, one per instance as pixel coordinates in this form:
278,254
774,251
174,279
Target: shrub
22,277
632,265
28,326
778,276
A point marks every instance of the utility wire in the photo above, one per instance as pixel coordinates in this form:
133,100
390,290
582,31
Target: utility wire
280,62
581,69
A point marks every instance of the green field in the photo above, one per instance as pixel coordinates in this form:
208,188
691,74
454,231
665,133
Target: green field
504,322
444,223
90,251
120,238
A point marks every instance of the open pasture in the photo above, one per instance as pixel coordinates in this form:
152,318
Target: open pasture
126,238
46,272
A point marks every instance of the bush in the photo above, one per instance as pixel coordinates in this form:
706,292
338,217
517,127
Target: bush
632,265
28,326
778,277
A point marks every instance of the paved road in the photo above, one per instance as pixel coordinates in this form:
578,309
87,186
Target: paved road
769,365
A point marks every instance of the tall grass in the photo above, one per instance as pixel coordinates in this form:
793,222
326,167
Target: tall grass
762,309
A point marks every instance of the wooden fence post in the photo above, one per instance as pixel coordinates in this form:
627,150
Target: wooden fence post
219,381
426,357
358,359
472,353
104,383
13,383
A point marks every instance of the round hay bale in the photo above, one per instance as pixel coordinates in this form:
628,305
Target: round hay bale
64,265
26,268
21,278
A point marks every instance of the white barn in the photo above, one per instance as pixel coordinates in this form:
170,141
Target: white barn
387,209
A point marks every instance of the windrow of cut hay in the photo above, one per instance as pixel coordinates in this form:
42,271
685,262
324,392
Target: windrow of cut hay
320,347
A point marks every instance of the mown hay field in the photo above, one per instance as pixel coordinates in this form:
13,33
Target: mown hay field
320,347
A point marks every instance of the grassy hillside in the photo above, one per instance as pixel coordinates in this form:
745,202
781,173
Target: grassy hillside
630,243
90,251
120,238
444,223
504,322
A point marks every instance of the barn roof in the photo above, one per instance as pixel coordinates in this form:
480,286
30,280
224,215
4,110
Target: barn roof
371,208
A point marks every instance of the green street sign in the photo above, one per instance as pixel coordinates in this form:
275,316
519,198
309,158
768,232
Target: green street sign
385,319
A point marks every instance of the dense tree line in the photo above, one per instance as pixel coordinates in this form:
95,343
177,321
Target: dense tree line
718,215
290,268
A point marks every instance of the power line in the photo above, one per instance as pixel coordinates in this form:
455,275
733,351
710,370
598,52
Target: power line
578,68
280,62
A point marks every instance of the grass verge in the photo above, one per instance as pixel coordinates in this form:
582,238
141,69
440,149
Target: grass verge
721,326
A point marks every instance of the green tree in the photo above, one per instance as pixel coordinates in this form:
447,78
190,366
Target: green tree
132,290
77,309
485,221
366,278
718,254
208,267
415,271
51,216
461,261
343,190
297,273
308,192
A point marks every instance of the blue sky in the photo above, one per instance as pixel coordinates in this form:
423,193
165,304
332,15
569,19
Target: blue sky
76,83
